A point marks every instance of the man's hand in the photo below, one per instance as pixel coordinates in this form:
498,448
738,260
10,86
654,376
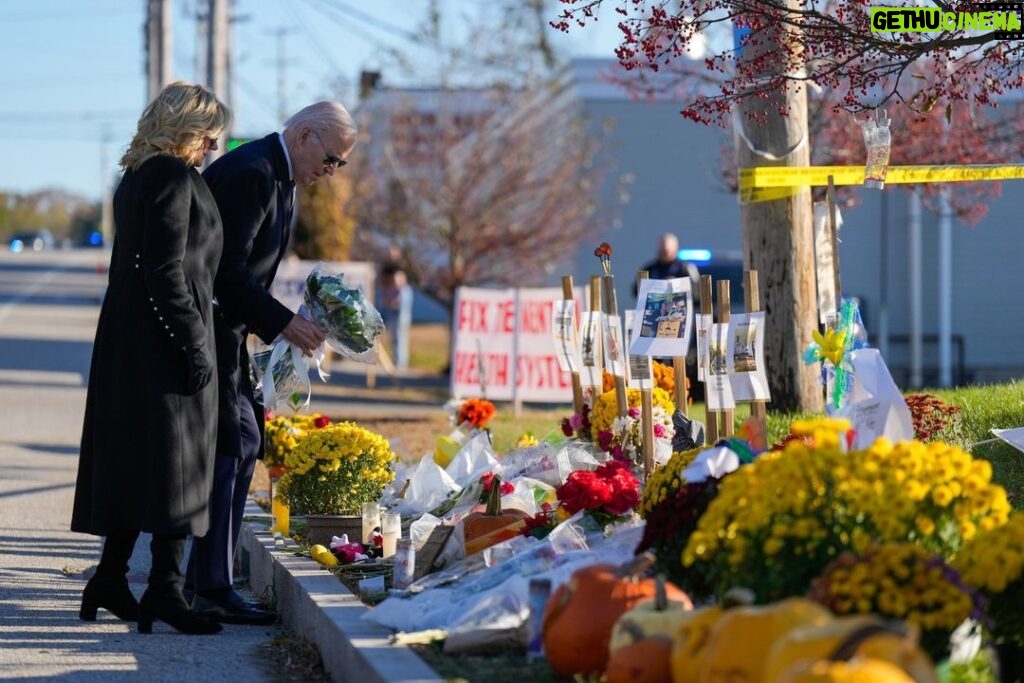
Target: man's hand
304,334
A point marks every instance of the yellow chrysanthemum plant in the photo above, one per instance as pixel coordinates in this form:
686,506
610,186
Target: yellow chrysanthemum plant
901,581
334,470
993,562
777,523
284,432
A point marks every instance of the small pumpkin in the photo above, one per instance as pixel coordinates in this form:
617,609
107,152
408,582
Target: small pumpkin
579,617
483,529
865,636
691,636
640,648
740,640
857,670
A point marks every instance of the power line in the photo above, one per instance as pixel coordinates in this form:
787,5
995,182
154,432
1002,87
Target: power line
65,116
48,15
297,16
370,20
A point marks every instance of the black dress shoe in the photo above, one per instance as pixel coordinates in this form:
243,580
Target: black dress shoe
166,604
230,608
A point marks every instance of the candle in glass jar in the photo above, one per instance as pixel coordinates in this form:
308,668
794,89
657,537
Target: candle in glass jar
371,520
280,512
390,530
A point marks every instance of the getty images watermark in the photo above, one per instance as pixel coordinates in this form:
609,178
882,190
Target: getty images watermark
1003,19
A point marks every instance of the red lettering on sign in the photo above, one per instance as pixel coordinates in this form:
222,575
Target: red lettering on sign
541,372
506,317
472,316
495,368
536,317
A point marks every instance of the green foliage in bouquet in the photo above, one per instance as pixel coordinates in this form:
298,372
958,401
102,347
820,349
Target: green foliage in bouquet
993,562
352,324
334,470
901,581
777,523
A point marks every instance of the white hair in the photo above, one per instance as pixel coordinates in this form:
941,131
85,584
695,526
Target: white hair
322,116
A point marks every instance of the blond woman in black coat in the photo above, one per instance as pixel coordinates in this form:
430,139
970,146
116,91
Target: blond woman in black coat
150,429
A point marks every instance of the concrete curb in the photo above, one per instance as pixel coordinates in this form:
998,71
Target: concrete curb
318,607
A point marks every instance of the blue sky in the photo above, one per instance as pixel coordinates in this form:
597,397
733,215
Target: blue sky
73,78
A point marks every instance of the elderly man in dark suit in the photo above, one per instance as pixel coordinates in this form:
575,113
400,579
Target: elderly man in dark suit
254,186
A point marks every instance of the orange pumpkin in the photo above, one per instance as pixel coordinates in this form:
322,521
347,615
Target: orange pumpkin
640,647
579,617
493,525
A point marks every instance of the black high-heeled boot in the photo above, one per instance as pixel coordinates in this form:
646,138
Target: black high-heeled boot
108,588
163,600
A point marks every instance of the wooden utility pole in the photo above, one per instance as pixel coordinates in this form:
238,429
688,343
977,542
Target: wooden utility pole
218,62
158,46
778,234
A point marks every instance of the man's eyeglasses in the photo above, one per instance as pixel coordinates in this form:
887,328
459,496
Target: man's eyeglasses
329,159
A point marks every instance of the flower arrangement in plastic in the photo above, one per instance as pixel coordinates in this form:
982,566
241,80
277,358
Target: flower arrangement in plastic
607,494
283,433
334,470
487,483
475,412
620,436
901,581
993,562
777,523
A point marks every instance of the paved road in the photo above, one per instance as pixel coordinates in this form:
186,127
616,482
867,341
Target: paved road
48,310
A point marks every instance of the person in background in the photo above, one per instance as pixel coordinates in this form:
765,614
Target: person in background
668,265
149,434
396,308
254,186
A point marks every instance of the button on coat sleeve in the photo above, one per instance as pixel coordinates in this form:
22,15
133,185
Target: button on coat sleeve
166,215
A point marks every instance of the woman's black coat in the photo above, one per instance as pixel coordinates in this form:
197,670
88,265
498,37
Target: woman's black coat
147,447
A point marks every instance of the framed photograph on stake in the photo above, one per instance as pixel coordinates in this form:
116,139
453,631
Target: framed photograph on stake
639,374
563,330
614,353
665,312
749,381
717,385
590,351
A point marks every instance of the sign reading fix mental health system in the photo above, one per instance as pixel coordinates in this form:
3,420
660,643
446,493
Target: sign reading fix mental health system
503,347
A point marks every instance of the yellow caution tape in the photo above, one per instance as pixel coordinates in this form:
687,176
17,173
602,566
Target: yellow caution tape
765,183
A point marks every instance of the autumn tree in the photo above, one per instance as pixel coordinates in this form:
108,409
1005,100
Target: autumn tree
325,223
776,50
489,176
499,194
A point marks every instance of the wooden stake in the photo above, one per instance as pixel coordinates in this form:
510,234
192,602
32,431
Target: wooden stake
830,199
611,308
577,388
707,308
728,415
646,408
752,296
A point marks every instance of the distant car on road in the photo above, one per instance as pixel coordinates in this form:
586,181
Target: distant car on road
36,240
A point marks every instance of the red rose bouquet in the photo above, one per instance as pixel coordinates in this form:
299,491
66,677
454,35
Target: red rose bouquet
607,493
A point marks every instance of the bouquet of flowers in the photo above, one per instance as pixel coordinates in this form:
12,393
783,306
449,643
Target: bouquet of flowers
620,436
901,581
578,424
993,562
778,522
607,494
284,433
475,412
351,322
334,470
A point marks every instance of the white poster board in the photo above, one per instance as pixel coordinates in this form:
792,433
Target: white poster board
823,260
565,336
704,322
749,380
503,348
665,309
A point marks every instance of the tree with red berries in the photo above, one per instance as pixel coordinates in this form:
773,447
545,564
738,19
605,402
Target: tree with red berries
777,50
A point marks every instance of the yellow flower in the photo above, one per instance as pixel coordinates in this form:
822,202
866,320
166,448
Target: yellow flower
831,345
